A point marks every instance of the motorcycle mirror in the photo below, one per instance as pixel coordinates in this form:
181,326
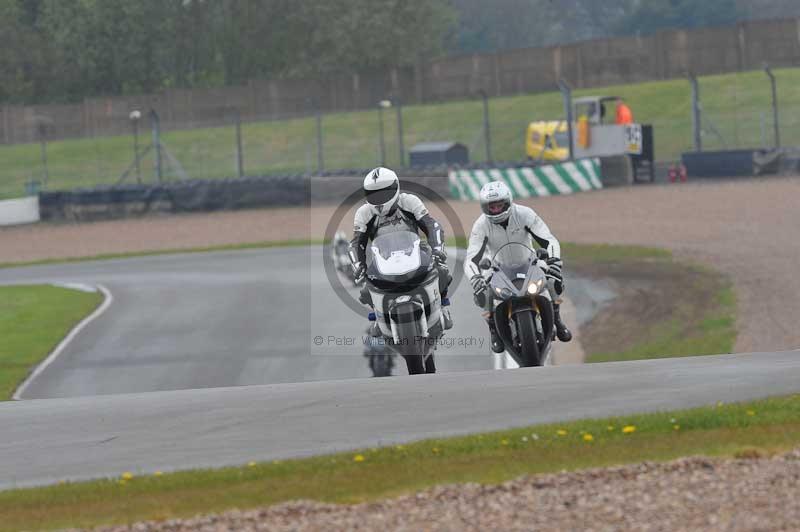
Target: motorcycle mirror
485,264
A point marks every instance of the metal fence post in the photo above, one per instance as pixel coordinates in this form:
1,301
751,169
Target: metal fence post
381,140
400,148
320,147
41,129
239,152
775,110
156,125
135,116
566,95
487,135
697,116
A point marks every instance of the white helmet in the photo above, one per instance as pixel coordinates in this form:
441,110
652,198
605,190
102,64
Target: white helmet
496,201
382,189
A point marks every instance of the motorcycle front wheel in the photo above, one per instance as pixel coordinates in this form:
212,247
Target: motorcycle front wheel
418,364
529,346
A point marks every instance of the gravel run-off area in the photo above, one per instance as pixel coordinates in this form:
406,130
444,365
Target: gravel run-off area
687,494
747,229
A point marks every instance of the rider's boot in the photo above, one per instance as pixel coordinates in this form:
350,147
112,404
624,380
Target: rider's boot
563,334
444,284
497,342
448,320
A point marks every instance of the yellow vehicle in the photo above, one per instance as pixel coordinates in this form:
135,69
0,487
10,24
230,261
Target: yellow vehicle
547,141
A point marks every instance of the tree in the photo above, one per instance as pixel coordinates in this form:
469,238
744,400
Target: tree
23,56
649,16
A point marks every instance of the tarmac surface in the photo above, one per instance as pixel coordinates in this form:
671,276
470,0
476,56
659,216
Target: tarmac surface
234,318
44,441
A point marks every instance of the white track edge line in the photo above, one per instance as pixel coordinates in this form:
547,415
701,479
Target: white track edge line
108,299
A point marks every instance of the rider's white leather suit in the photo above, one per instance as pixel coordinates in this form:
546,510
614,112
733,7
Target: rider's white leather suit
523,226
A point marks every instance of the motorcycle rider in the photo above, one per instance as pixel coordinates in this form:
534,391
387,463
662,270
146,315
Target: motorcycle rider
387,210
503,222
374,349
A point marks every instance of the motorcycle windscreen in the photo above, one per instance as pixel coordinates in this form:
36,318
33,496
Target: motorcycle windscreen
396,253
514,260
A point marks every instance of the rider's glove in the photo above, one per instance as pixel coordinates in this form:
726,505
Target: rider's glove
554,266
478,284
359,272
439,256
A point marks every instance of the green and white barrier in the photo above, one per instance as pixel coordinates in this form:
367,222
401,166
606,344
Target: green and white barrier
550,180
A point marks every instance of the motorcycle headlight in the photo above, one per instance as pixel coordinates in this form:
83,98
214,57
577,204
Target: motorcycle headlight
535,287
505,293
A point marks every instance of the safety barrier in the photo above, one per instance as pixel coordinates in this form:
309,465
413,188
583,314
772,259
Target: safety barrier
527,182
19,211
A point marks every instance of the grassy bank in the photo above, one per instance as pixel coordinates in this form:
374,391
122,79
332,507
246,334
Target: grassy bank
664,308
761,427
735,105
33,320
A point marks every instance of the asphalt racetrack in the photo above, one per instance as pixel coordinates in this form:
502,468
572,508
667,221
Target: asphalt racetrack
44,441
155,383
236,318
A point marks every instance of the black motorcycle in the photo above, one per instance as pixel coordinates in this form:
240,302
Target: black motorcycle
523,303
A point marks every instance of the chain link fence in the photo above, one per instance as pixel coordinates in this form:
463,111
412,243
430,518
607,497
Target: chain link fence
736,113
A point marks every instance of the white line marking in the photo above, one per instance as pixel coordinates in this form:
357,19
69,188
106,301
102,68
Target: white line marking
65,342
90,289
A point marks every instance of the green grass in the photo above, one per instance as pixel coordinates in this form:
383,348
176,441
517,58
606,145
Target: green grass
734,104
605,253
33,320
761,427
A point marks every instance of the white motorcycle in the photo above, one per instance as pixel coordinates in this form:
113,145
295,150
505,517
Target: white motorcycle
404,285
523,303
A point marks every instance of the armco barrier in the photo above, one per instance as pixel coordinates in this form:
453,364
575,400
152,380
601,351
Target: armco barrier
108,203
19,211
128,201
527,182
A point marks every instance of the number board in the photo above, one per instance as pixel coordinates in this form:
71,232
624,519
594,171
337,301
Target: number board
633,138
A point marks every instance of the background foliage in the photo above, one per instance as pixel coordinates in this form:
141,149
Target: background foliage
66,50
